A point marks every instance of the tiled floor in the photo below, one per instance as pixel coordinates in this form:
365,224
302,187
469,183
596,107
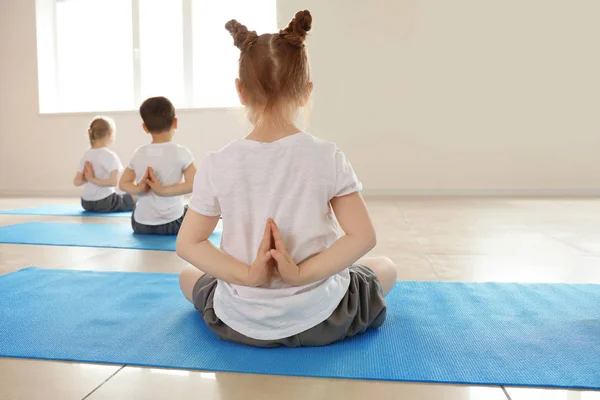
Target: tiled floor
517,240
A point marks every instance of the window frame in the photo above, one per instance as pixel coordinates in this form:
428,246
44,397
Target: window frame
49,101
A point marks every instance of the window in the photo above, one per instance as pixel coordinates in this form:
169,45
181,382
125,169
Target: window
109,55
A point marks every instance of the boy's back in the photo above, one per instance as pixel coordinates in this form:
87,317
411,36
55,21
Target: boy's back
168,160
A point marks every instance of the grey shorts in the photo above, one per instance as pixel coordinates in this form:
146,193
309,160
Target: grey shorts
170,228
362,307
113,203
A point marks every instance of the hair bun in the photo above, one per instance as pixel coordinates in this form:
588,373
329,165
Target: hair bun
242,37
295,33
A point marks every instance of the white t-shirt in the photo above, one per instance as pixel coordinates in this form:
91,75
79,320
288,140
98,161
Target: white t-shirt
292,181
168,160
104,161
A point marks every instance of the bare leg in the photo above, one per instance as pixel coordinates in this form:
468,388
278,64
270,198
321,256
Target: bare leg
384,268
187,280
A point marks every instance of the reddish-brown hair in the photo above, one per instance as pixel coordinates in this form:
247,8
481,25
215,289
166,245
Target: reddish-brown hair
274,71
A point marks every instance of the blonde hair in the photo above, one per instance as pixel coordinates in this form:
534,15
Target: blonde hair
274,70
100,127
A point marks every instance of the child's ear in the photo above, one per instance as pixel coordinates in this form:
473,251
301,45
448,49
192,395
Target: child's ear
307,93
174,124
145,129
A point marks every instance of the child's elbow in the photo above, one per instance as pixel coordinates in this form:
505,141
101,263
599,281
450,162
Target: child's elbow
365,239
181,247
371,239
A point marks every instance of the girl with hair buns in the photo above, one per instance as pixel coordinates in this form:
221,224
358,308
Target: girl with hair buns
282,276
99,171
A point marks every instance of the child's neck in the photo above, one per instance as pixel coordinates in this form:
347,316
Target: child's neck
270,133
162,137
99,145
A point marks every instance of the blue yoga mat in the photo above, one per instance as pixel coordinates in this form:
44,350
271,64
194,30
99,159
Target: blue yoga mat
478,333
66,211
88,235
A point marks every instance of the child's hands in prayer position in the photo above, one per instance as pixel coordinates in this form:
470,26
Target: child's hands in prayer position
88,172
143,183
154,183
261,269
286,267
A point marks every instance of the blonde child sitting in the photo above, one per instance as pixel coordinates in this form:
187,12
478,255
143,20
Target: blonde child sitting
99,171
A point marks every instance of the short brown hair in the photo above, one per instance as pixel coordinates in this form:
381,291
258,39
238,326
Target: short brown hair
158,114
100,127
273,69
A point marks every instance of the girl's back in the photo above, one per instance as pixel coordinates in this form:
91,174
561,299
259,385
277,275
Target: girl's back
104,161
99,171
292,181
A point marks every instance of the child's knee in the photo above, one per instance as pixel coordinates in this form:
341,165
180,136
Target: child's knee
186,276
182,277
389,268
386,272
187,281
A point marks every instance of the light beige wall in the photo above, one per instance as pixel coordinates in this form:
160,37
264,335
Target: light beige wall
438,96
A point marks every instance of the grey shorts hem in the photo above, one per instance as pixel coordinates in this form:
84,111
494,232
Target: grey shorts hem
112,203
363,307
170,228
